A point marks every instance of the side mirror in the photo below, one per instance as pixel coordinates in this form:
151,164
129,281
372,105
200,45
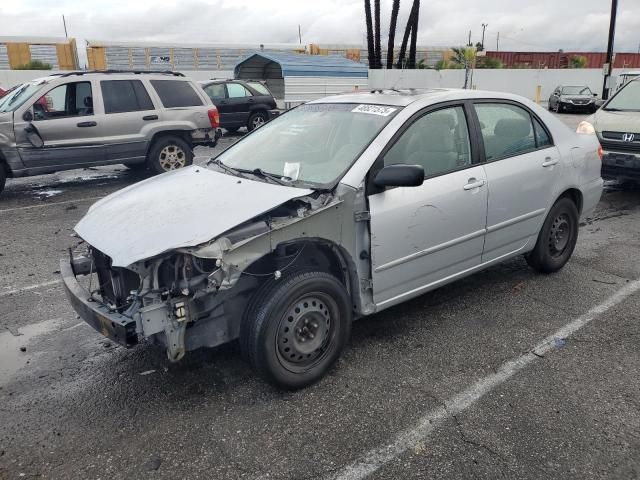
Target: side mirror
33,136
27,116
400,176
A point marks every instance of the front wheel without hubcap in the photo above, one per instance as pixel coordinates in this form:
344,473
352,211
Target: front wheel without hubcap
296,328
557,238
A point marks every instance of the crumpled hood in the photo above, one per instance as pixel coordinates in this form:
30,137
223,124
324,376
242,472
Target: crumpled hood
184,208
626,122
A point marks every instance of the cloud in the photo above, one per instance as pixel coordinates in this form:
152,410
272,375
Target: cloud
523,25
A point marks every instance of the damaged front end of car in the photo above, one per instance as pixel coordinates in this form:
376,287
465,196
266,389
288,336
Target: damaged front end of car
195,296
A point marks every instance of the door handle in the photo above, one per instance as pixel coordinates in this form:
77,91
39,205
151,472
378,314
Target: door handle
150,117
251,100
549,162
473,183
87,124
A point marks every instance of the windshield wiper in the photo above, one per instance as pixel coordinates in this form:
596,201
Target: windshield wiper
258,172
227,168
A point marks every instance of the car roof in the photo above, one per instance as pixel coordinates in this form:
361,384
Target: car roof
405,97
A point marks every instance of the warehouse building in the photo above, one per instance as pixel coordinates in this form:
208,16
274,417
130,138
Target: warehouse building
183,57
59,53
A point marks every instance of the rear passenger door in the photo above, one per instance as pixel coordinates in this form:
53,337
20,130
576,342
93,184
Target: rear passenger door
423,235
125,116
239,102
523,169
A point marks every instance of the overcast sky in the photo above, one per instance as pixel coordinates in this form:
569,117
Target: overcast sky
523,24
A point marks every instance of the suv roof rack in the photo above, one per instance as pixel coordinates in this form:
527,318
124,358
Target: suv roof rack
136,72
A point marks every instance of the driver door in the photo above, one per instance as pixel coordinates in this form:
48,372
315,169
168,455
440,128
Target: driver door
423,236
64,118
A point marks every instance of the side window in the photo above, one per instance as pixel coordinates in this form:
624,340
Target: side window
176,93
438,141
542,137
506,130
236,90
215,90
121,96
68,100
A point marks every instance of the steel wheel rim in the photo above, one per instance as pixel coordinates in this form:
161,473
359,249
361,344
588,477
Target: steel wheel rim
306,331
172,157
258,121
559,235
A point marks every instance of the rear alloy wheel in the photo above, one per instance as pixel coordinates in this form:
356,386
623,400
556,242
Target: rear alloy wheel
296,328
557,239
169,153
256,120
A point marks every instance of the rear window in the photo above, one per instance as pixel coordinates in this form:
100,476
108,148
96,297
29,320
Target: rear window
260,88
125,96
176,93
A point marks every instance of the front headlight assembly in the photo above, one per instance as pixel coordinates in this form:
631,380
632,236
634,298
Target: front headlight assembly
586,128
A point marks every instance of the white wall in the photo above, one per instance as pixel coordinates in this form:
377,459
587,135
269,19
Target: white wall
304,89
519,81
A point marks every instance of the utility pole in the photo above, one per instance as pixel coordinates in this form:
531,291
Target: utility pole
469,43
498,42
484,26
609,60
299,34
65,27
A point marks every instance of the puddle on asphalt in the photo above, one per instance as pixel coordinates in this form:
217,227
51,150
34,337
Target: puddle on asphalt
12,358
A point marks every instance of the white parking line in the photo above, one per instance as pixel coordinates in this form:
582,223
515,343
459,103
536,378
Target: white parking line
375,459
52,204
30,287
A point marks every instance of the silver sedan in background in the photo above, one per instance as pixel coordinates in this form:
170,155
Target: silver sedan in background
336,210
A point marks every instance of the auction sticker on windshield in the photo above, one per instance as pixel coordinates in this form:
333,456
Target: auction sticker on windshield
382,110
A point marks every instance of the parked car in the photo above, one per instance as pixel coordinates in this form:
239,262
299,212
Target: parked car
335,210
241,103
617,126
573,98
3,92
626,77
79,119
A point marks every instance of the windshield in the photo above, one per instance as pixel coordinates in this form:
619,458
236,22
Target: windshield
627,98
312,144
17,96
576,91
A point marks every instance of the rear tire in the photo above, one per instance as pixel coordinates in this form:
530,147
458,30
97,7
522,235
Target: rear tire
169,153
295,328
256,120
557,238
3,177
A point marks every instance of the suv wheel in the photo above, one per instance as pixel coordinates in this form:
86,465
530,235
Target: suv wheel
256,120
296,328
169,153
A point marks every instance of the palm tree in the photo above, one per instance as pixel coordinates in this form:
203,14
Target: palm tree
378,52
414,36
392,32
464,57
407,31
370,45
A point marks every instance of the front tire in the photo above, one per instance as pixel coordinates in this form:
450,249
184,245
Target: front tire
557,238
295,328
169,153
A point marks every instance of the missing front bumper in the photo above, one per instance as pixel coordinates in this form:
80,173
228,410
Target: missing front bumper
114,326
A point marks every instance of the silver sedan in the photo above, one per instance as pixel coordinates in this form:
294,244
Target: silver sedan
336,210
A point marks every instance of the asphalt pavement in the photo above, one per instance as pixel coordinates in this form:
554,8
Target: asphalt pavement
505,374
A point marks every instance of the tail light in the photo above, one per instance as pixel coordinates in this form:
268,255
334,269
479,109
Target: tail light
214,117
600,152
